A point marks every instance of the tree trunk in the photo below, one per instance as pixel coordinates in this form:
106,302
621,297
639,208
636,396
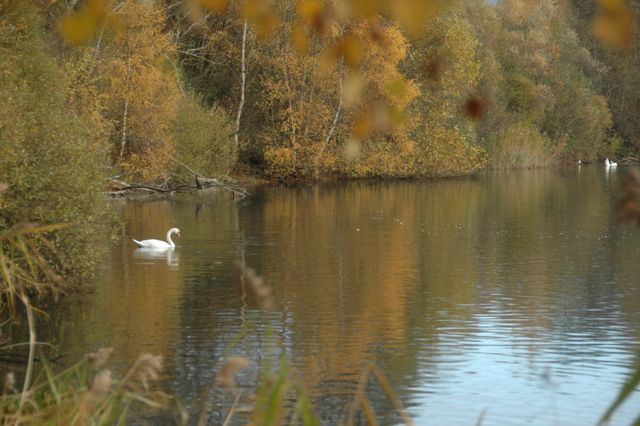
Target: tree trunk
243,77
123,141
335,120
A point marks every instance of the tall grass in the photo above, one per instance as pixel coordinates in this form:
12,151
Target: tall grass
86,393
25,269
521,146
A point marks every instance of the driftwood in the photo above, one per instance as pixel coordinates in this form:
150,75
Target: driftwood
629,160
200,182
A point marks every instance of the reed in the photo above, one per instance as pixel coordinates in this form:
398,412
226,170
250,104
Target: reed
279,397
521,146
25,268
85,393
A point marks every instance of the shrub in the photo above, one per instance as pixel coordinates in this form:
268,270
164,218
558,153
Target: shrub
51,158
204,138
612,145
522,146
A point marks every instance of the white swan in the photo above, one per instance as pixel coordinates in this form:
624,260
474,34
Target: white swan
159,244
608,163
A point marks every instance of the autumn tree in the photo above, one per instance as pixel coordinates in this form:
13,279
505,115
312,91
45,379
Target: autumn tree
347,84
139,85
445,62
52,153
542,104
616,43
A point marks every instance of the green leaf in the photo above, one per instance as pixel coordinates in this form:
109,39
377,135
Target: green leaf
626,390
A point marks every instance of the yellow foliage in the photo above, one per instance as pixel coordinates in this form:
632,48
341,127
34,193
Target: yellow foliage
215,5
299,39
141,92
414,15
81,25
281,160
262,16
614,23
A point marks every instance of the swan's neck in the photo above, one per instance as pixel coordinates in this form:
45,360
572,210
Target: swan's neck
169,240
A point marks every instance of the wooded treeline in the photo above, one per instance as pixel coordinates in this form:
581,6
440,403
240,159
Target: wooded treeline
312,88
519,83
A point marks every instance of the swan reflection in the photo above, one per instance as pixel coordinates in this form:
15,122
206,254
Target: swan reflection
171,255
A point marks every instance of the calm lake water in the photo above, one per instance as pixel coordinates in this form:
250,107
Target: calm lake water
514,294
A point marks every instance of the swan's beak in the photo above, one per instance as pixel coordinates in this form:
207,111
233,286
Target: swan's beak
179,234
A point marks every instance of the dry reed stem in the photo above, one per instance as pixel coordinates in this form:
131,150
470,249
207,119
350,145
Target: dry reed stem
32,349
226,380
391,395
368,411
481,418
149,367
359,394
360,399
226,376
9,383
232,410
99,357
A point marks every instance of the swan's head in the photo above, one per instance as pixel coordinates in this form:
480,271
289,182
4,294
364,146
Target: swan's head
175,231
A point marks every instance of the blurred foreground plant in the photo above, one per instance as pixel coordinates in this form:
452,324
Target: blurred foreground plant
628,211
24,270
24,266
85,393
280,398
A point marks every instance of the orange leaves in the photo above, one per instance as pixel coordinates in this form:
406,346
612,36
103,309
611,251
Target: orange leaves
214,5
261,15
398,88
299,38
314,14
354,86
414,15
614,23
378,117
79,27
474,108
351,48
363,8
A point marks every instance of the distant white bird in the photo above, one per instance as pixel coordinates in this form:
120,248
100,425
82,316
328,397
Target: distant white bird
159,244
609,164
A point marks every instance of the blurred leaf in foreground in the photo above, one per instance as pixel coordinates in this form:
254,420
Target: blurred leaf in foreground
614,23
80,25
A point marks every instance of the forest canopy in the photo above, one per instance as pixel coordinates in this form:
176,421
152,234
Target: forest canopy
319,88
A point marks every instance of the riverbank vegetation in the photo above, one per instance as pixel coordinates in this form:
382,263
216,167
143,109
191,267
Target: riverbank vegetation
98,95
317,89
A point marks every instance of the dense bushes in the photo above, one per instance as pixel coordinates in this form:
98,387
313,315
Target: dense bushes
204,137
545,108
52,158
522,146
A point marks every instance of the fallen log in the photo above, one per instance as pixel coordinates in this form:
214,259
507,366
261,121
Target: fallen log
201,182
629,160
